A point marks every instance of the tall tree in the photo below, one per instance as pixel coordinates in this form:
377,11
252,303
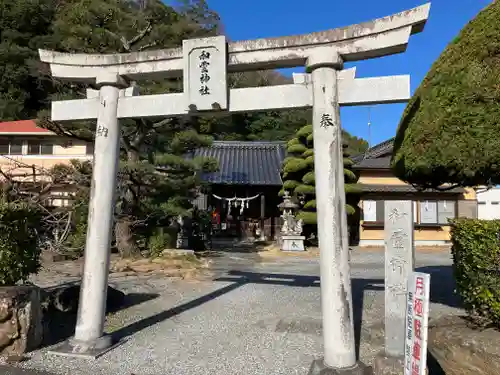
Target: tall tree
263,125
24,27
299,179
449,130
156,182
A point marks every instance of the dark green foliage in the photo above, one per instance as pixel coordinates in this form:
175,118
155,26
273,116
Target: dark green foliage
156,182
476,265
355,145
24,27
298,173
20,224
449,130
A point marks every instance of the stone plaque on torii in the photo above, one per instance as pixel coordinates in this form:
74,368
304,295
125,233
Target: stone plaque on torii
204,64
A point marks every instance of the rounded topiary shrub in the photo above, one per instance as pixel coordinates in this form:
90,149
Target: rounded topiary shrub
19,242
449,130
476,266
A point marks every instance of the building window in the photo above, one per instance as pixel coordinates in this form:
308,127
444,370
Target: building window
436,212
11,147
89,148
40,148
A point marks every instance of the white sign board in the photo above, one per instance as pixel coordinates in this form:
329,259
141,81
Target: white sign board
205,73
417,320
428,212
370,211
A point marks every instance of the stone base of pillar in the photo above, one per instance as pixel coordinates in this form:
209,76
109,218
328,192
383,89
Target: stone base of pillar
80,349
318,368
387,365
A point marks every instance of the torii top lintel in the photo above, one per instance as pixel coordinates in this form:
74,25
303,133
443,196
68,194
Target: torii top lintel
376,38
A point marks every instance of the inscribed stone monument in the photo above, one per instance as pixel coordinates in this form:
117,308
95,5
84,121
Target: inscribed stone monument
399,263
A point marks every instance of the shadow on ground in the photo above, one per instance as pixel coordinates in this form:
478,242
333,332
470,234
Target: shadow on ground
442,285
240,278
60,325
442,292
433,365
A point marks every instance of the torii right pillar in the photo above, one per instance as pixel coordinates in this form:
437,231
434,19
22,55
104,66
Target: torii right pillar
336,297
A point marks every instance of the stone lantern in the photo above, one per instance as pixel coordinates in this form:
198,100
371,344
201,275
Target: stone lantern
291,230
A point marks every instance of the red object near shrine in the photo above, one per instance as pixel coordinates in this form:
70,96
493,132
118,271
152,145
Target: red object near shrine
215,217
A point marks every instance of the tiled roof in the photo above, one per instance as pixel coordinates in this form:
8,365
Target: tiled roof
382,188
376,157
21,127
380,163
245,163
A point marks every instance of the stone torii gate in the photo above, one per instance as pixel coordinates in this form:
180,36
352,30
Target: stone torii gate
204,64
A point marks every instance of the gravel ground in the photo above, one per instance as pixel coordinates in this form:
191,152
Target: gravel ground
253,318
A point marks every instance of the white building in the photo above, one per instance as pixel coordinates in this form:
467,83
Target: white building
488,203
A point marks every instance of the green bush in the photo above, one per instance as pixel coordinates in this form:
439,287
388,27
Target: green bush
476,265
163,238
449,130
19,245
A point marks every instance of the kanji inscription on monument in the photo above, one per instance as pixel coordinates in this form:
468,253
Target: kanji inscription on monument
398,267
205,73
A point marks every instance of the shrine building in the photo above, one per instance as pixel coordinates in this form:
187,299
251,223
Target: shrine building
244,192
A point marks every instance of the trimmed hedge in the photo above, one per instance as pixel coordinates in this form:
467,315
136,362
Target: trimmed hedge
19,244
449,130
476,266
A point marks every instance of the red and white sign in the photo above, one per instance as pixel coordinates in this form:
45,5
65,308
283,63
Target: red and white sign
417,320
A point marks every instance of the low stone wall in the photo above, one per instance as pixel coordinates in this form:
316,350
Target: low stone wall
21,319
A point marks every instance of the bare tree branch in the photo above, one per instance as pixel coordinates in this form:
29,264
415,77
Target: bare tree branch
141,35
59,129
128,44
146,46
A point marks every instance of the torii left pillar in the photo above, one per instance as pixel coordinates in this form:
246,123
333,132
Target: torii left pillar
89,339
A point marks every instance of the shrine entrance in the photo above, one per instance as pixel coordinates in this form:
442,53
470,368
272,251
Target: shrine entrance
325,87
243,195
246,213
233,216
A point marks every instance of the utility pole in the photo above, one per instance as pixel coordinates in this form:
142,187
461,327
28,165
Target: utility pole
369,128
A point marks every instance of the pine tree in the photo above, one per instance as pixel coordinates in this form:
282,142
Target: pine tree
156,183
299,179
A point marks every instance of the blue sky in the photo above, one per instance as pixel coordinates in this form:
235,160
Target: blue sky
268,18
